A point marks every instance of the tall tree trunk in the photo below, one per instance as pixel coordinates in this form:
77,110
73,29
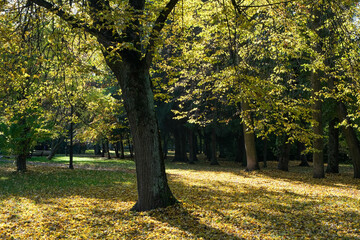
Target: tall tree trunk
351,140
214,160
284,157
153,189
166,147
303,157
333,148
108,149
122,156
71,147
180,143
249,140
192,147
103,147
116,149
318,145
131,149
207,143
265,153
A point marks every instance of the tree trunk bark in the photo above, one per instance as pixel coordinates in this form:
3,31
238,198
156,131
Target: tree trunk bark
333,148
265,153
122,156
131,149
116,148
214,160
108,149
192,147
71,146
351,140
284,157
207,147
249,140
153,189
318,145
21,162
180,143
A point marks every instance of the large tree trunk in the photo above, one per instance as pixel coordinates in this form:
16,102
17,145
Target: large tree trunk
351,140
333,148
318,158
153,189
249,140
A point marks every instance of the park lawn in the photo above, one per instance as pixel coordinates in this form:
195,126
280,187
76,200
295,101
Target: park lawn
216,202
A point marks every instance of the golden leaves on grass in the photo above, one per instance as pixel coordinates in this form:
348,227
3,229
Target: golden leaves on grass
217,203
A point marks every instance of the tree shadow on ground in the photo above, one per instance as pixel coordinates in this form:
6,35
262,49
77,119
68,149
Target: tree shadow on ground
179,217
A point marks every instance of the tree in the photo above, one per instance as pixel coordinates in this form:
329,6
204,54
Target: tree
129,56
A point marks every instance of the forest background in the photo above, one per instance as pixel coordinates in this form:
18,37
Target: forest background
252,80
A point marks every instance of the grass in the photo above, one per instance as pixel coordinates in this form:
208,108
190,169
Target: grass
222,202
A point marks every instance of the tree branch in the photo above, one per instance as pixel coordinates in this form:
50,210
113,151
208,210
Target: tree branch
70,19
155,33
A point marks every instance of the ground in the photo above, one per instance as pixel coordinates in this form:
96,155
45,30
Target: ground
216,202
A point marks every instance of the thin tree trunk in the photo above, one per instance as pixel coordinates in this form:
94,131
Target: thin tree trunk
265,153
103,148
108,149
249,140
192,147
116,148
318,145
214,160
333,148
71,147
166,147
131,150
351,140
122,148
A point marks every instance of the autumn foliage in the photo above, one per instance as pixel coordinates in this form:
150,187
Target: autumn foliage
221,202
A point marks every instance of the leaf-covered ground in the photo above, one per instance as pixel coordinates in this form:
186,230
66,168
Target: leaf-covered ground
222,202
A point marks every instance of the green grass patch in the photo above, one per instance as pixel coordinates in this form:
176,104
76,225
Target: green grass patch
88,160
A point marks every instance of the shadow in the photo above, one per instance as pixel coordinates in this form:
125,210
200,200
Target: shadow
179,217
58,182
